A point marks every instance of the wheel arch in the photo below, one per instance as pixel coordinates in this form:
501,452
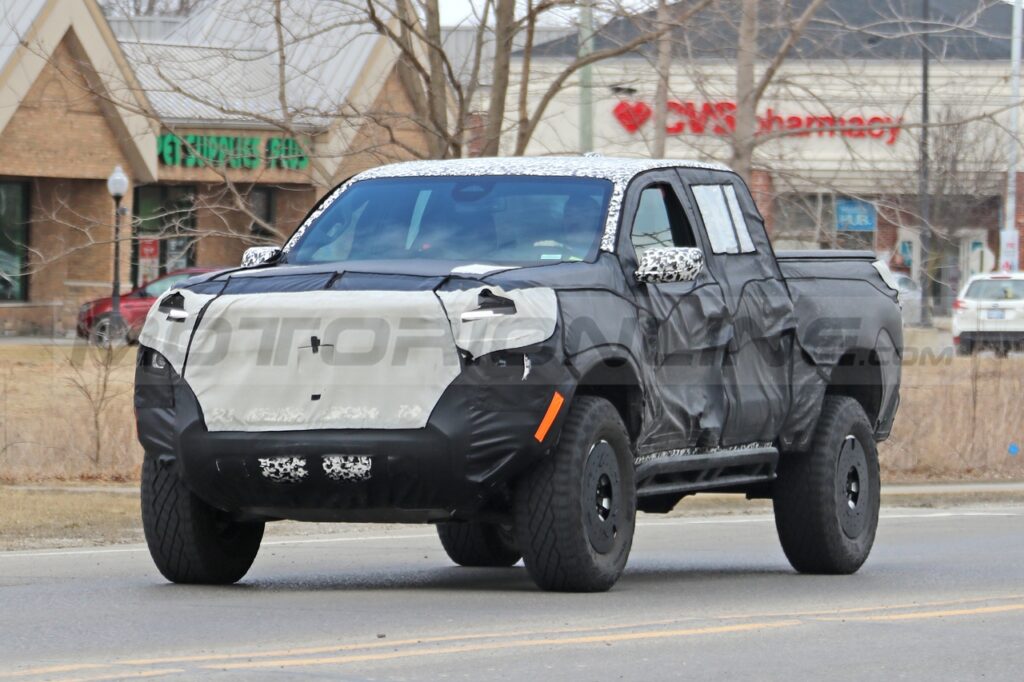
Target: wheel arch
614,375
858,375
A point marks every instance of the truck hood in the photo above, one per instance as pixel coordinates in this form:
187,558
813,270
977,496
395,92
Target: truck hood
308,349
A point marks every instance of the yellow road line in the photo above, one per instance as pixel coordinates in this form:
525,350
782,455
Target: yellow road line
821,615
49,670
497,646
921,615
866,609
126,676
335,648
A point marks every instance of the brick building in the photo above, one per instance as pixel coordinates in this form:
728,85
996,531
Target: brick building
223,149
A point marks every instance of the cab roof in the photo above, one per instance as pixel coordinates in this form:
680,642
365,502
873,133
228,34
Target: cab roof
618,170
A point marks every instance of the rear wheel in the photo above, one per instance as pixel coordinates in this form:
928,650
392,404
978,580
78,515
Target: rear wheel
826,500
190,541
478,544
575,512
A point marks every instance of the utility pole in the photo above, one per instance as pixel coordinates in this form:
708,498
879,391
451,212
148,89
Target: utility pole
661,93
1009,247
922,184
586,47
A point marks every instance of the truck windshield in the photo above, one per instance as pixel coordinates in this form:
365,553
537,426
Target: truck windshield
493,219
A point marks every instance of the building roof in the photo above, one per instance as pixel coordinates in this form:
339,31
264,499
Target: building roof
841,29
30,31
221,65
18,16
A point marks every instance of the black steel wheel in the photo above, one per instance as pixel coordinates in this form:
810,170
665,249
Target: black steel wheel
826,500
575,512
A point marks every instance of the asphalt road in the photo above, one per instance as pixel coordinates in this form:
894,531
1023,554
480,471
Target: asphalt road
942,597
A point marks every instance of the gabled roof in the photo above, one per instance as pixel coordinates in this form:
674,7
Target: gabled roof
30,30
221,65
18,16
841,29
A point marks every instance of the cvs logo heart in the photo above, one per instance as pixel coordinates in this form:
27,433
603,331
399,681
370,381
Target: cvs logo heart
632,115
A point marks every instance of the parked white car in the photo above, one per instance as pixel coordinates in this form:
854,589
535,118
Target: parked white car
910,298
989,313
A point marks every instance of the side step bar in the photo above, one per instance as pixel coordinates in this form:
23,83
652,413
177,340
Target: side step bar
693,470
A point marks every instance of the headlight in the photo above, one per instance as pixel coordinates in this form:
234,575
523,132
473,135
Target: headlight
152,360
153,380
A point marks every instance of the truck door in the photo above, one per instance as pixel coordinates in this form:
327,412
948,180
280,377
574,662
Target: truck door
682,324
760,319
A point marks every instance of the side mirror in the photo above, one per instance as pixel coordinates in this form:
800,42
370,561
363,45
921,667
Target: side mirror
660,265
255,256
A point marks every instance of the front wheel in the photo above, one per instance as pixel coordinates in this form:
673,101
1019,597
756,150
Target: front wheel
190,541
575,512
108,331
826,500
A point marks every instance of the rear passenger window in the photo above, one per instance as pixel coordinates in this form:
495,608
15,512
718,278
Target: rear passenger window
660,220
723,219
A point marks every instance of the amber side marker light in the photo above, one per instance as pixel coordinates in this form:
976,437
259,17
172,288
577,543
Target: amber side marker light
549,417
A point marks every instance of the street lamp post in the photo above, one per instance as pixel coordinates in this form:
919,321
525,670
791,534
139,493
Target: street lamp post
923,188
117,185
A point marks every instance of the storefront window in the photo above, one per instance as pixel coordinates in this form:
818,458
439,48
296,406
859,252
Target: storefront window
13,241
164,231
260,203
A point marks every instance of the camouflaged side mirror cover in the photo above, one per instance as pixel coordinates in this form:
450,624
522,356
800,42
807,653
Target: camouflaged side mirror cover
255,256
660,265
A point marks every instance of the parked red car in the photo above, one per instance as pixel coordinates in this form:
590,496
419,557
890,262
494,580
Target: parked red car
94,316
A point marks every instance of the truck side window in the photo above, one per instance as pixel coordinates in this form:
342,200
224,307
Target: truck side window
723,218
660,220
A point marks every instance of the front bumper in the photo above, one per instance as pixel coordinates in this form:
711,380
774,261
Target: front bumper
479,437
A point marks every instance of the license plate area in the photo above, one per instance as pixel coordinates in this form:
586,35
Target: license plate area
996,314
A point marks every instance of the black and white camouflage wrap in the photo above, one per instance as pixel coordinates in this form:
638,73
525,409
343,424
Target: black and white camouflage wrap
283,469
619,171
694,452
258,255
670,264
352,468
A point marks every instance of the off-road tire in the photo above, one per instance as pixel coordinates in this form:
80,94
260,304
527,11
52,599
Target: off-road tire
190,541
563,549
826,500
478,544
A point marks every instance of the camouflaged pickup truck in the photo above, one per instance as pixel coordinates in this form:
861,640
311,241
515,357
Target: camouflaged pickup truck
524,352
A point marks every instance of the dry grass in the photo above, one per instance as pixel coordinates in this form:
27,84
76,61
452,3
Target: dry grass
48,518
66,414
957,419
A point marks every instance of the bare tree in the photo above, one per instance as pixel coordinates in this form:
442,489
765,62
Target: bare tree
495,43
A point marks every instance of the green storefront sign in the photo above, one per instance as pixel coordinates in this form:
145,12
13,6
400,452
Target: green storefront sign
231,151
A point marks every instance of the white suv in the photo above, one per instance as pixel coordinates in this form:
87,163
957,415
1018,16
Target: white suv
989,313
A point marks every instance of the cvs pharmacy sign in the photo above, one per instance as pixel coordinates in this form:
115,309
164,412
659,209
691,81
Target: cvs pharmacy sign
719,118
